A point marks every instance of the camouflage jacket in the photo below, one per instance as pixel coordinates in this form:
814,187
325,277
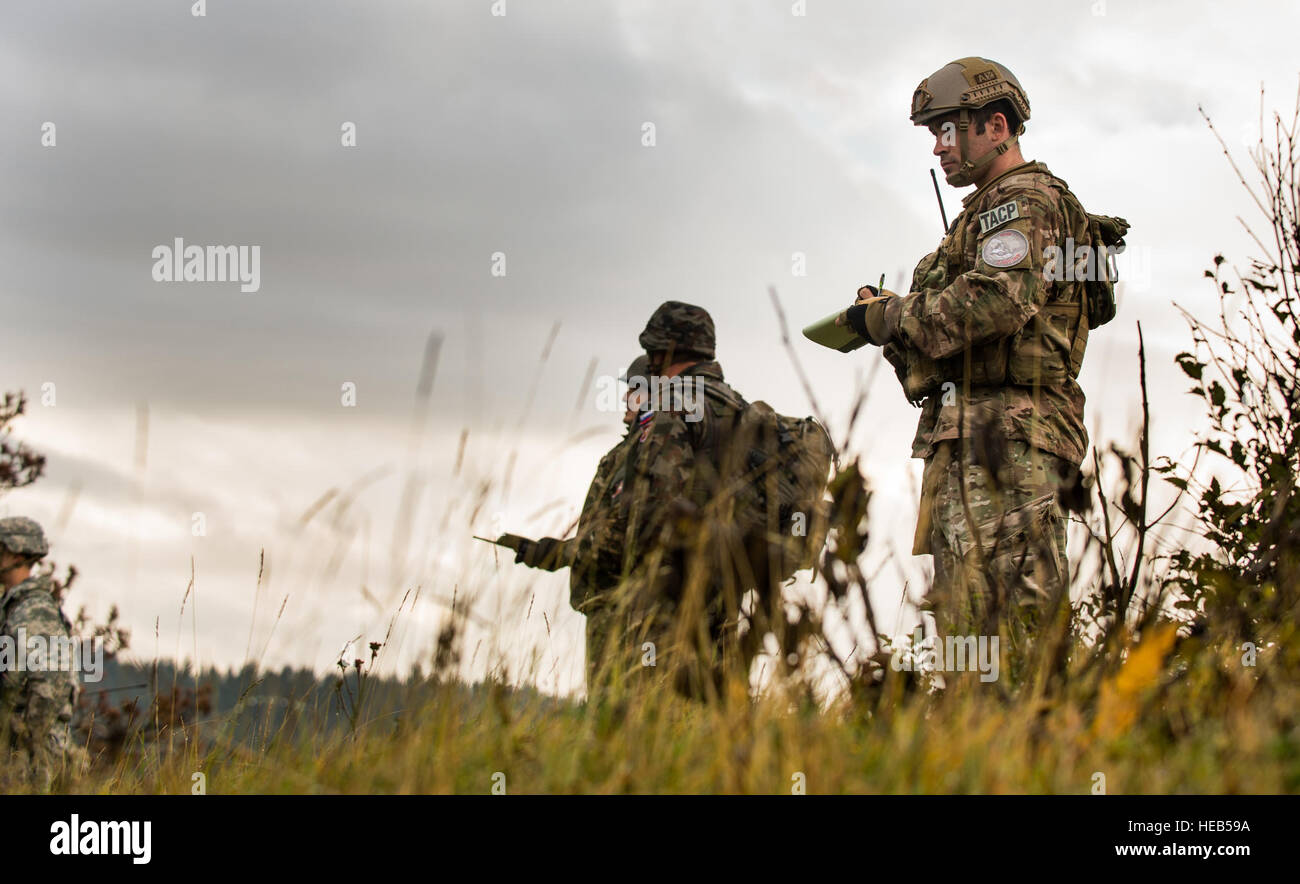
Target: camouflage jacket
36,699
595,553
676,457
985,328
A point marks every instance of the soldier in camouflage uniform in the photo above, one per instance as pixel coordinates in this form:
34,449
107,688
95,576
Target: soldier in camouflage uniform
649,563
35,701
989,341
594,554
683,594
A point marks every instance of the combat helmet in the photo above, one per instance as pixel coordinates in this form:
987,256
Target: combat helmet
638,368
23,536
637,377
960,87
675,326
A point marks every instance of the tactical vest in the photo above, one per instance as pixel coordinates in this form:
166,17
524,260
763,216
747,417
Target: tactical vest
1050,347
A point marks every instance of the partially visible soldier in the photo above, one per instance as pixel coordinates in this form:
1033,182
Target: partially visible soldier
36,702
989,341
594,555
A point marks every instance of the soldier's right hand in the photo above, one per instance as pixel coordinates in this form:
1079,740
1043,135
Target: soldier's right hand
542,553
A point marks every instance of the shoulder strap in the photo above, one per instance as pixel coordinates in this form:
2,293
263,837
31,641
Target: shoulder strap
720,436
1077,219
723,393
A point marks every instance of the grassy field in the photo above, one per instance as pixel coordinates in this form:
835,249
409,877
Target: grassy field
1176,672
1184,719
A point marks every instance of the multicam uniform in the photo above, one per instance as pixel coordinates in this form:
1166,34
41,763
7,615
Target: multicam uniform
982,319
990,341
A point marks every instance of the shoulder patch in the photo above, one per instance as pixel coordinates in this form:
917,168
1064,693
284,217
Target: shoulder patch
1005,249
998,215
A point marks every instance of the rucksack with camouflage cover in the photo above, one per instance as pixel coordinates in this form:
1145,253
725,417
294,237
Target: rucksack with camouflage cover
1105,237
774,471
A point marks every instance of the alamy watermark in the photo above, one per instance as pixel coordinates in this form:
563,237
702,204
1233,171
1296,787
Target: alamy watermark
680,393
52,653
1087,263
181,263
956,653
102,838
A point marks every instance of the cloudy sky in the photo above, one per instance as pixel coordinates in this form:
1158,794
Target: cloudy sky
170,408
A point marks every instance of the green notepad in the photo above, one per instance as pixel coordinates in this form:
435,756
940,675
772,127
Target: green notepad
837,337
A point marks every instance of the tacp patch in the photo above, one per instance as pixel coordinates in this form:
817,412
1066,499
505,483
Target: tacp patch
998,215
1005,249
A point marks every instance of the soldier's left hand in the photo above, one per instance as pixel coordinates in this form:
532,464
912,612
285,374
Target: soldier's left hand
869,316
867,292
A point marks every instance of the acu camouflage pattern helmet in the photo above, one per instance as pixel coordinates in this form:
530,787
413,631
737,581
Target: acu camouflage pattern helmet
677,326
23,536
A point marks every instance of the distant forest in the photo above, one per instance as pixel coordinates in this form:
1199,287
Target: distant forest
250,707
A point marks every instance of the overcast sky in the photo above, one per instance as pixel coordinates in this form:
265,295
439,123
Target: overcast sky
521,134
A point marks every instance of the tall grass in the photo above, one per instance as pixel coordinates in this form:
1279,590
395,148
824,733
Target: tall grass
1171,666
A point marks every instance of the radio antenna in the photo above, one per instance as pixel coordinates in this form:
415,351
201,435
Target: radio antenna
939,197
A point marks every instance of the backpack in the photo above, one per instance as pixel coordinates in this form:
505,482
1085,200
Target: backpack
1106,237
775,469
1100,293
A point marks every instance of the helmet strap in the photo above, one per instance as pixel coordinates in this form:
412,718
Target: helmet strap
965,172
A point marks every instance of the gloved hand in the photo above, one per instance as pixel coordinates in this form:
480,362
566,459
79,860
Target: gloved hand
541,553
870,291
868,315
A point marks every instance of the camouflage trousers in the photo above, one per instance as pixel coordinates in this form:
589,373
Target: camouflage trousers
691,656
38,763
617,646
646,636
999,548
599,622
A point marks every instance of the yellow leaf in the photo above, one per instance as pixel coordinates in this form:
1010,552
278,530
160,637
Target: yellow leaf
1121,695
